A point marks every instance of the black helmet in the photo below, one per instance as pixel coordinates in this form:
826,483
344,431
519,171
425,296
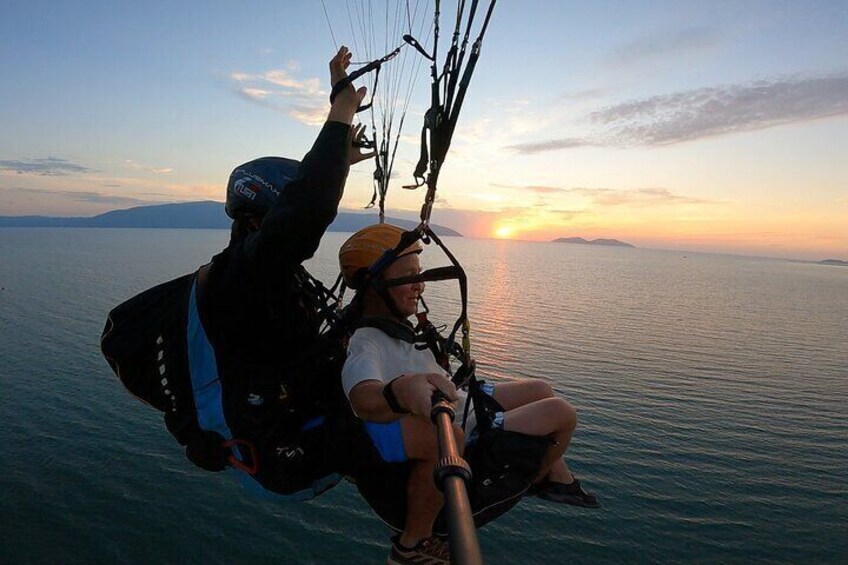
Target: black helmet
254,187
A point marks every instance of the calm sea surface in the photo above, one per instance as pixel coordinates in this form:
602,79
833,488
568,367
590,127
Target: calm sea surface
712,393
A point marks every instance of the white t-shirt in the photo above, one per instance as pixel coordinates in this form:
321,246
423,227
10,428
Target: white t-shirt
373,355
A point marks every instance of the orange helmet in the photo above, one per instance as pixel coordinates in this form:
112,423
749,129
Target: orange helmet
366,246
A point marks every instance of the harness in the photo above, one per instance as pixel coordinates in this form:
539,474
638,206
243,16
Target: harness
269,421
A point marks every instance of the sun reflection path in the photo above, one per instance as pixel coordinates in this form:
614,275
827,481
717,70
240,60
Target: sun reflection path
498,298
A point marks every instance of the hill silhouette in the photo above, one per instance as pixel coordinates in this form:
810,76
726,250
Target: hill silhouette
190,215
581,241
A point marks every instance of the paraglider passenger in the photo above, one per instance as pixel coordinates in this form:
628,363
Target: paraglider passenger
389,383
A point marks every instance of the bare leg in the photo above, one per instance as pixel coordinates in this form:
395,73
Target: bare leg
547,417
512,394
532,409
423,498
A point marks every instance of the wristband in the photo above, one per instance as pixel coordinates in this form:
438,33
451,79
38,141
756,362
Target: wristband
392,400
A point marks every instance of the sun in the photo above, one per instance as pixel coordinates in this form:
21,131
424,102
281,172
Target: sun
503,232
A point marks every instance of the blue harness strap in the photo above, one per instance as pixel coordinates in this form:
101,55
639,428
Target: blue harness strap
205,383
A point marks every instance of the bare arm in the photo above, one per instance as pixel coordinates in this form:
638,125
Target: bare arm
414,393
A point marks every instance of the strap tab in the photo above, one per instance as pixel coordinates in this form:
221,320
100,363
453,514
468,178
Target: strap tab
418,47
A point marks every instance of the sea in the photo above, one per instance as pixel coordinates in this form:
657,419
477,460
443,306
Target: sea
712,393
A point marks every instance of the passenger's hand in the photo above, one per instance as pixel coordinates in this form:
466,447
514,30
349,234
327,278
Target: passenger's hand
415,392
357,136
348,100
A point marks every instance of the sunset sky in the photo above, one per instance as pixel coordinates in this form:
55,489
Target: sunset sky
707,126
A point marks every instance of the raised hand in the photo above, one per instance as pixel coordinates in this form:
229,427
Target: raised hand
348,100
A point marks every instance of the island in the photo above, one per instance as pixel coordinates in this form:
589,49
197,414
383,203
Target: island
581,241
834,262
191,215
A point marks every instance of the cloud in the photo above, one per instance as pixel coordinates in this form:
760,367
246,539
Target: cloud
48,166
567,214
707,112
313,115
544,189
283,79
534,188
278,89
673,118
679,43
157,170
254,93
89,197
611,196
550,145
637,197
99,198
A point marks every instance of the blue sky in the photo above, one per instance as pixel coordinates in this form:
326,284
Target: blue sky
719,126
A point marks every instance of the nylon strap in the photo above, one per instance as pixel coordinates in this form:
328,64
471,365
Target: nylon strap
372,66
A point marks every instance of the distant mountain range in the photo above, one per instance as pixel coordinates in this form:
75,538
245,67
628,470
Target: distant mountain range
581,241
189,215
834,262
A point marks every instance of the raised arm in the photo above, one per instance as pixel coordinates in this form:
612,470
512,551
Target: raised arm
292,229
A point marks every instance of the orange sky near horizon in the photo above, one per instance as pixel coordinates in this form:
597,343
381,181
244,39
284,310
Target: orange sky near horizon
784,231
789,237
801,227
